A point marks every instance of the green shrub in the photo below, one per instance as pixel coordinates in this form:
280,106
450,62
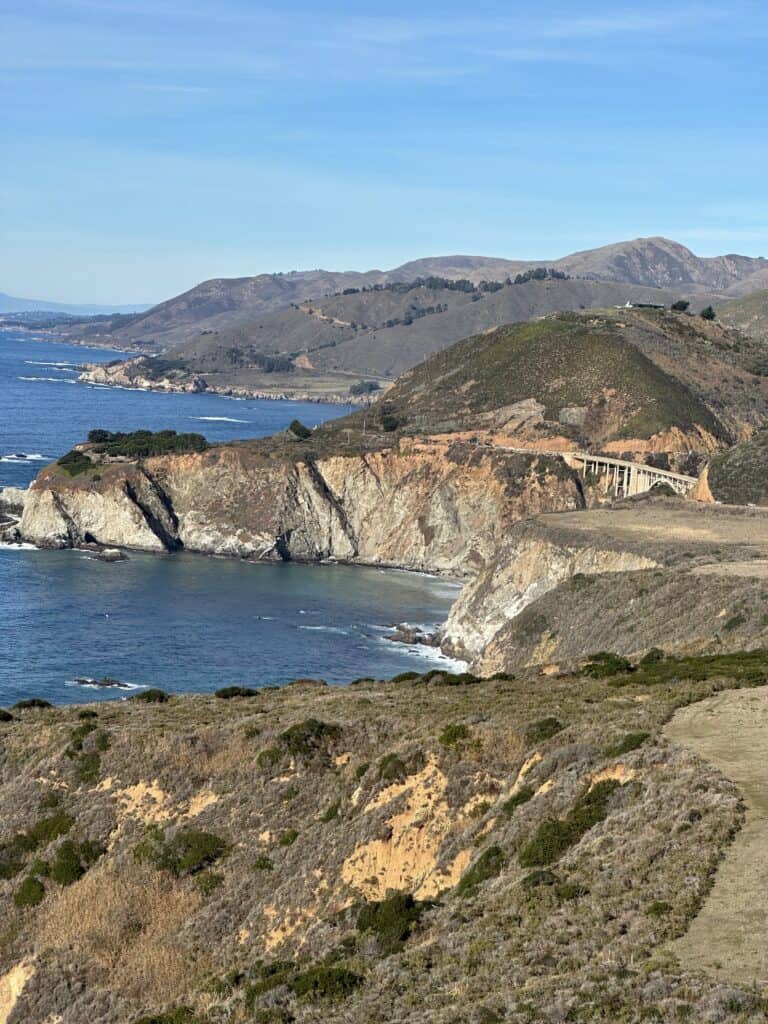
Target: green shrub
570,891
453,734
289,837
630,742
522,796
488,865
181,1015
298,429
152,696
734,622
652,657
658,908
405,677
48,829
263,863
31,702
362,769
228,692
30,892
187,853
392,769
304,739
40,868
708,313
75,463
87,713
331,812
79,733
321,982
145,443
268,757
554,836
67,867
540,877
87,766
5,716
208,881
391,920
605,664
544,729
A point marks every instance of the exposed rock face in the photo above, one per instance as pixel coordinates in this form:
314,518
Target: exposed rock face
440,510
12,499
649,571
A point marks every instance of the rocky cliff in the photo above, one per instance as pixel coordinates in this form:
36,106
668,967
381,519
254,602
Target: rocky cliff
430,508
646,572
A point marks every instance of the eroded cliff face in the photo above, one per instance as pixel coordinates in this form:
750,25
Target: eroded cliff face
430,508
523,571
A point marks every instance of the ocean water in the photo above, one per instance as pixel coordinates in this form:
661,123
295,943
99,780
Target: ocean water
183,622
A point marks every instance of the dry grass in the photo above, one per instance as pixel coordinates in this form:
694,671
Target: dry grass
124,920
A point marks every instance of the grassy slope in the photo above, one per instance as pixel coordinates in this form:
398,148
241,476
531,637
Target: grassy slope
509,943
740,475
563,361
749,314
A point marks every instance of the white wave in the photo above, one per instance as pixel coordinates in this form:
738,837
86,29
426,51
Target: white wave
94,684
66,367
431,654
51,380
5,546
327,629
218,419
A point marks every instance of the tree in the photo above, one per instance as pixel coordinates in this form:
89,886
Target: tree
708,314
298,429
680,306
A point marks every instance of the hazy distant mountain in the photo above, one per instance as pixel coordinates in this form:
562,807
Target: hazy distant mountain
227,303
11,304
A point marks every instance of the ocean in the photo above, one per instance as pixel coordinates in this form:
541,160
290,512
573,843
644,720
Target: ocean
186,623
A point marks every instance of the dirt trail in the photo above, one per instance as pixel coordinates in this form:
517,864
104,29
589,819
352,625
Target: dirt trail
729,938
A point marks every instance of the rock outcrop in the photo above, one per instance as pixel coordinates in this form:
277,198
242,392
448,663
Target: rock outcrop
440,509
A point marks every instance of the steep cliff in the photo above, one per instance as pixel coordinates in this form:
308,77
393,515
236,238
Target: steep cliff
437,508
563,586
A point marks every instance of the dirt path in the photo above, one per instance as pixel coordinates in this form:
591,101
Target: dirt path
729,938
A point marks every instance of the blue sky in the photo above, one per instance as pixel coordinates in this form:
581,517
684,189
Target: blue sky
145,146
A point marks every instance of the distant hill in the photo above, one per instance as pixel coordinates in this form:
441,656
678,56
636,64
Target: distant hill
749,314
225,303
11,304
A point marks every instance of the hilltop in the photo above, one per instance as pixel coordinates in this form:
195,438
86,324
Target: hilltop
237,303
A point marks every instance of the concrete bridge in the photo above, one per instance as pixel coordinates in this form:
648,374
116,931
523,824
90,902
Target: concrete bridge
617,475
627,478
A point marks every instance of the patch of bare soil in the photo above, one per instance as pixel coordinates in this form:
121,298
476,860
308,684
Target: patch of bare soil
729,937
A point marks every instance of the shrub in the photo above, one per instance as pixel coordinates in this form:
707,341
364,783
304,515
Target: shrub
453,734
208,881
181,1015
86,714
268,757
263,863
289,837
87,767
391,920
658,908
544,729
392,769
554,836
652,657
152,696
304,739
389,423
75,463
67,867
5,716
145,443
362,769
488,865
298,429
330,983
540,877
30,892
605,664
31,702
522,796
228,692
680,306
48,829
331,812
708,313
187,853
405,677
631,741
